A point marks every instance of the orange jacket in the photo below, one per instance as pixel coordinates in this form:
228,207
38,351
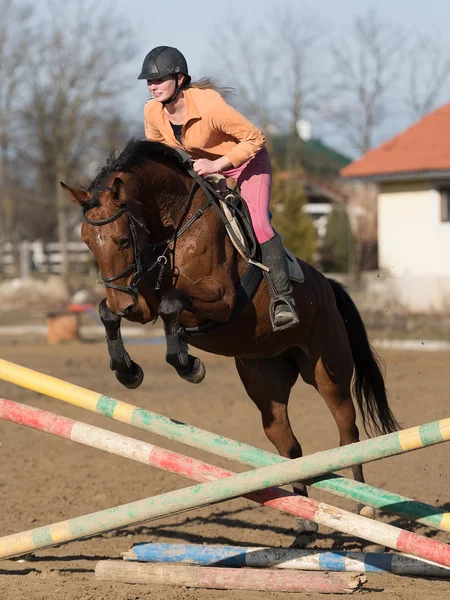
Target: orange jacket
212,128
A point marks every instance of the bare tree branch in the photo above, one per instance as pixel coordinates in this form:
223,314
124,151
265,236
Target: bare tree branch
428,76
276,72
15,37
249,64
365,67
74,79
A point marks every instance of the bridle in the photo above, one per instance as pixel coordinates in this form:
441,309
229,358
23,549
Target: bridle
139,265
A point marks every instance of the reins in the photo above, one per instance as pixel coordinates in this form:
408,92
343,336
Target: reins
140,256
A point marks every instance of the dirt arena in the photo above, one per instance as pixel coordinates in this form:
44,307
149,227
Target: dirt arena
46,479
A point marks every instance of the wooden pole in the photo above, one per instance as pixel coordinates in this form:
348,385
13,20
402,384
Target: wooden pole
409,439
284,558
114,443
232,487
218,578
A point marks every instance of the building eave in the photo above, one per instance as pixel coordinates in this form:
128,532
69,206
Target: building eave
403,176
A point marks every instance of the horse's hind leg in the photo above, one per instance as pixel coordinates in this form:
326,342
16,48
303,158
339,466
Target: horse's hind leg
127,371
268,382
333,380
188,367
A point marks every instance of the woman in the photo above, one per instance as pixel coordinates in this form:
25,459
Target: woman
196,118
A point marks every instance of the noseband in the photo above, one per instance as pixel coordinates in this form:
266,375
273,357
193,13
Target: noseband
138,266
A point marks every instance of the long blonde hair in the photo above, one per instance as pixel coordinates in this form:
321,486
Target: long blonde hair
206,83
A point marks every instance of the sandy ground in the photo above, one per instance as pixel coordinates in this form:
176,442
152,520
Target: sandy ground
46,479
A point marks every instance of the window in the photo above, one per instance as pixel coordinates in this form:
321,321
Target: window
445,204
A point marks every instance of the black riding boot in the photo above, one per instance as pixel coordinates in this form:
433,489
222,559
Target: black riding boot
283,312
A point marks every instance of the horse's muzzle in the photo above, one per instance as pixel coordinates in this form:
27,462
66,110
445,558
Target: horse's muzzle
122,309
127,312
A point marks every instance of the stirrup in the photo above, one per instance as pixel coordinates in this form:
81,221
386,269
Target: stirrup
290,305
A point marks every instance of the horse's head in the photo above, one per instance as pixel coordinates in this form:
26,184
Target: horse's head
114,231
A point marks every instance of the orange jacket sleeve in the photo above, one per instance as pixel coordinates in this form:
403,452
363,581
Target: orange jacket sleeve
250,139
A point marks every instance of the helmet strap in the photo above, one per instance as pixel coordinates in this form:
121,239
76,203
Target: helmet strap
175,94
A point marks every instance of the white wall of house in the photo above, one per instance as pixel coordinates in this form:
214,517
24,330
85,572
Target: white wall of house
412,239
414,244
394,296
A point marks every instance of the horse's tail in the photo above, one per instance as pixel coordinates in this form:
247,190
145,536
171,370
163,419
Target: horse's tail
368,382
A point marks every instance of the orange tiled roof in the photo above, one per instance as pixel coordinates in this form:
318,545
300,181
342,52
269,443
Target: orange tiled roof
423,147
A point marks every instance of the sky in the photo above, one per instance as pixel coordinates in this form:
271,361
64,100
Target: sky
191,26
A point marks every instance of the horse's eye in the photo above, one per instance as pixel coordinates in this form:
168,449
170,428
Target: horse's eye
124,242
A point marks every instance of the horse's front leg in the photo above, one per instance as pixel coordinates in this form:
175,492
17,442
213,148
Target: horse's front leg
127,371
188,367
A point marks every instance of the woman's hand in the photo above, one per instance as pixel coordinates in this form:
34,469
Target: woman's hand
203,166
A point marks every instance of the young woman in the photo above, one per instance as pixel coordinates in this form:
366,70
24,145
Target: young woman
196,118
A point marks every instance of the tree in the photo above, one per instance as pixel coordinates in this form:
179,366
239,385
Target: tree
290,220
73,81
337,252
244,51
428,76
365,68
298,42
15,37
275,71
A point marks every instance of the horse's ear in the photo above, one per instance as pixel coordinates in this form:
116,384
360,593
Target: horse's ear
118,190
76,195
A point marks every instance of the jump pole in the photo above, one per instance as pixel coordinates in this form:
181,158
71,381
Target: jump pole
284,558
403,441
224,489
115,443
218,578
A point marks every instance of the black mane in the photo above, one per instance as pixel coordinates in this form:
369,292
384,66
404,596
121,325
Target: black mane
135,153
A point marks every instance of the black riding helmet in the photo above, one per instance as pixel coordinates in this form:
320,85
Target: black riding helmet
163,61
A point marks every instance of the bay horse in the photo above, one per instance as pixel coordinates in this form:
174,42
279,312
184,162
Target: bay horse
163,251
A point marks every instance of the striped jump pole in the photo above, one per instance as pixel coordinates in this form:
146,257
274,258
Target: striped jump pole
225,489
218,578
403,441
114,443
284,558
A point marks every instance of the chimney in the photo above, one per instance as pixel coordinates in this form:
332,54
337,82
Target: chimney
304,130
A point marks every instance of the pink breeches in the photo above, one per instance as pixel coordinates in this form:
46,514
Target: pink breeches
254,178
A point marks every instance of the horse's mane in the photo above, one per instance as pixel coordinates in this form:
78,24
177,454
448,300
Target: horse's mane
135,153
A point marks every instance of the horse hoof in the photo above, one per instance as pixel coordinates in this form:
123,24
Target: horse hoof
133,378
197,372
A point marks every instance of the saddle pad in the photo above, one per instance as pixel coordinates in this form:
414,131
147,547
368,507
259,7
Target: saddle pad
295,270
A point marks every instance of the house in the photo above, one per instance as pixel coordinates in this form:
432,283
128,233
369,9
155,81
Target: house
412,171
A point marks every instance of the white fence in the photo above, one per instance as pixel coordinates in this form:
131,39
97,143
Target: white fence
40,257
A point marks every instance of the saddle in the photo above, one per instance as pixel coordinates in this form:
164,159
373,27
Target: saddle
237,220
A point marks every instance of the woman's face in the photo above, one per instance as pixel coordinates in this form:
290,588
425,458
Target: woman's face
162,89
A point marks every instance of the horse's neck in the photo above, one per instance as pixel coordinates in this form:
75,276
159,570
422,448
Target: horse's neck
164,198
170,199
